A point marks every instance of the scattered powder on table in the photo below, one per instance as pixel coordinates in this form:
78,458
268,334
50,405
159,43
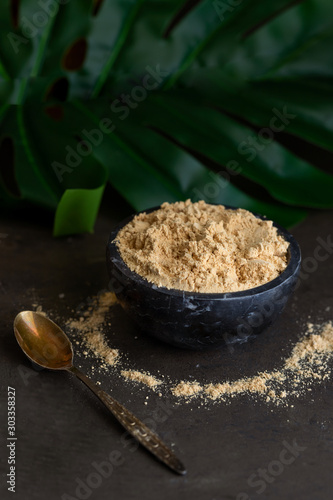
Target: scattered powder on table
307,363
310,352
89,328
144,378
200,247
187,389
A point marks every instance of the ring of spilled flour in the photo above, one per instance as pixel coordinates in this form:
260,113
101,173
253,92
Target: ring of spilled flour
307,364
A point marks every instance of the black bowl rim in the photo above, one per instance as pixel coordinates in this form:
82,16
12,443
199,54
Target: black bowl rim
290,271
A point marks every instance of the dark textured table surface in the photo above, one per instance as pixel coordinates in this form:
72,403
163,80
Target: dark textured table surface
64,433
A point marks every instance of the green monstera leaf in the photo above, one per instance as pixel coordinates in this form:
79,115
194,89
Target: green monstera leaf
165,102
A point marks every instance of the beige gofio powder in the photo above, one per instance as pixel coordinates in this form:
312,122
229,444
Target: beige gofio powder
309,363
199,247
144,378
89,328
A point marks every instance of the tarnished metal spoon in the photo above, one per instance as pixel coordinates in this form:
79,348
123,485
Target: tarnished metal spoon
47,345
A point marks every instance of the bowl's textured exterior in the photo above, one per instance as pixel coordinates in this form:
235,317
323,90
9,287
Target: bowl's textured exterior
200,320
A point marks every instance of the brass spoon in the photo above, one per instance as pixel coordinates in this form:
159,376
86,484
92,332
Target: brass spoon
47,345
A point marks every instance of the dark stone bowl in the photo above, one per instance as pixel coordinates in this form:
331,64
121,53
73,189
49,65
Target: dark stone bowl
200,320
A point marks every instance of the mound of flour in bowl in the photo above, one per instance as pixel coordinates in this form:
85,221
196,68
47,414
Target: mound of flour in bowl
199,247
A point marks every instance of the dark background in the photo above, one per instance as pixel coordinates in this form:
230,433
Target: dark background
62,428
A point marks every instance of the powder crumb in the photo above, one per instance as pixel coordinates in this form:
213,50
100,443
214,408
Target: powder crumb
186,389
39,310
144,378
89,328
199,247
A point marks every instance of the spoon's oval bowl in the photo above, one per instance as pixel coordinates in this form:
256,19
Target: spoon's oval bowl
43,341
201,320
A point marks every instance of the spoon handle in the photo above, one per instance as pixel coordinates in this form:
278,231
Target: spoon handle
134,426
